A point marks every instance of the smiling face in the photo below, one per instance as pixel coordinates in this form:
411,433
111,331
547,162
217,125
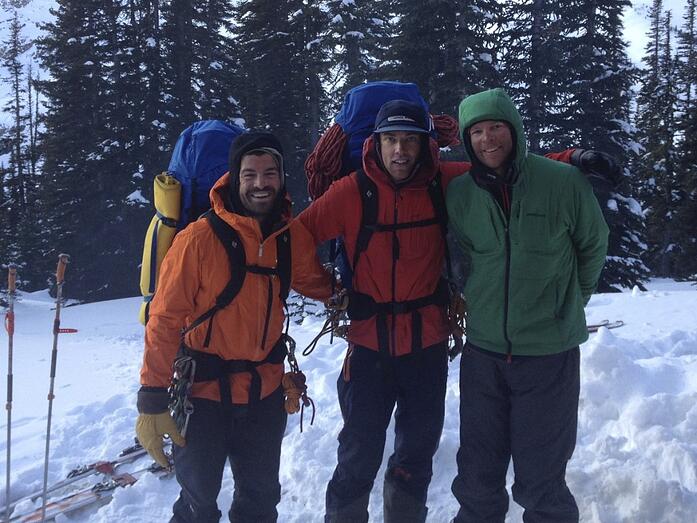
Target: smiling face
260,182
400,151
492,143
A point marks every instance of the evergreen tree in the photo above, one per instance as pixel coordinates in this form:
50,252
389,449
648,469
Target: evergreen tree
282,50
659,189
78,205
198,63
17,177
686,124
537,40
454,57
359,33
596,115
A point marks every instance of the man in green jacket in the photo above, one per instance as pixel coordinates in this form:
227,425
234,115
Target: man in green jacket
536,241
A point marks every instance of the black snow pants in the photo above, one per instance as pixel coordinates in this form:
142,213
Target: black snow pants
526,410
369,387
251,439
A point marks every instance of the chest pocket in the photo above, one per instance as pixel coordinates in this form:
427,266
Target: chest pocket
535,230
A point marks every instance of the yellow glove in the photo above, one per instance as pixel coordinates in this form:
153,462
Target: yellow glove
150,429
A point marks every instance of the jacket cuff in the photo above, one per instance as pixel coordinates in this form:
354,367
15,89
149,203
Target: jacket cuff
152,400
575,158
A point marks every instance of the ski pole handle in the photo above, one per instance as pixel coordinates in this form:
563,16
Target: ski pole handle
63,260
11,277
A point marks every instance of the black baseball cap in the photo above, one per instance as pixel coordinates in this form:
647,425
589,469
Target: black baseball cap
402,115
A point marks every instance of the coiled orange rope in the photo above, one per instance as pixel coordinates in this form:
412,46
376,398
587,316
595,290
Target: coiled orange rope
323,165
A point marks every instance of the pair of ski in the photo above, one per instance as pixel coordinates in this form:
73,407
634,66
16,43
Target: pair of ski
594,327
92,494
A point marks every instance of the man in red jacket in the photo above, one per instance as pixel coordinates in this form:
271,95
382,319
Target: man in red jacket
399,328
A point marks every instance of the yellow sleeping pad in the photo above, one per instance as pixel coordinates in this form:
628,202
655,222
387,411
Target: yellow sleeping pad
158,239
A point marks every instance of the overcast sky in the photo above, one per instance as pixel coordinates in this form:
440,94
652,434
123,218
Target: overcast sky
636,24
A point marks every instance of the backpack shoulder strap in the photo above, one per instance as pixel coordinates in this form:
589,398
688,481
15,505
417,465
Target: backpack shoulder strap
435,191
238,269
283,263
369,213
232,243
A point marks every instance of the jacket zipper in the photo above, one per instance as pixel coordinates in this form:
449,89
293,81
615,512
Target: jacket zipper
507,276
269,299
509,353
507,216
395,257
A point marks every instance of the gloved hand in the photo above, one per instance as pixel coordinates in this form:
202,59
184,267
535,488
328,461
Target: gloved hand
154,421
339,301
597,163
150,429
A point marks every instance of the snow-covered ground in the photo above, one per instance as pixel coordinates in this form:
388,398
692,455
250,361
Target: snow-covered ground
636,459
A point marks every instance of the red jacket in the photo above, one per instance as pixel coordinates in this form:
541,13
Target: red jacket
195,270
417,270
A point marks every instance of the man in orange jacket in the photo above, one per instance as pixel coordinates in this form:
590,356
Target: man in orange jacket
238,348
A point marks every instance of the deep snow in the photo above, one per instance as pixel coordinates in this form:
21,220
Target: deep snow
636,458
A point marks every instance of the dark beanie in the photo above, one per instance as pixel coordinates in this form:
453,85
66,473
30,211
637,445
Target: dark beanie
244,144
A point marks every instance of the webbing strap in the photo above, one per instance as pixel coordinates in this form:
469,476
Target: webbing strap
369,213
211,367
369,216
153,259
389,227
363,306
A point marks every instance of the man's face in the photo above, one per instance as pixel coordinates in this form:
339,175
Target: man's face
260,181
492,143
400,151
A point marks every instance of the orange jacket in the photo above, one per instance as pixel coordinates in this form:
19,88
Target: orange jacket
195,270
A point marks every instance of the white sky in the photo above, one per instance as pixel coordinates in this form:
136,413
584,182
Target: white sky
636,25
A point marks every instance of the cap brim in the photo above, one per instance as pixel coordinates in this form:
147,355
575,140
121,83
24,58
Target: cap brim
401,127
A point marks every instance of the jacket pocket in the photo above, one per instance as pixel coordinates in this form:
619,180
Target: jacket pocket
534,230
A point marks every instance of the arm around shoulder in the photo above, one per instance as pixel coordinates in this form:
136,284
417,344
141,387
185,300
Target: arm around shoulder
326,217
308,276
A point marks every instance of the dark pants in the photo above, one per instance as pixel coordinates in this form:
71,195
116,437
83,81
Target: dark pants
369,388
251,440
526,410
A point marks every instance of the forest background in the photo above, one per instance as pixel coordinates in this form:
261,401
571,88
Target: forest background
98,94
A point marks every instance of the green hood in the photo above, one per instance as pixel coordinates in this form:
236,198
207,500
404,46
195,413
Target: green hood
493,104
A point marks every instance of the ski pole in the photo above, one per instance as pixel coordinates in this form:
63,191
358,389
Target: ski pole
10,327
63,260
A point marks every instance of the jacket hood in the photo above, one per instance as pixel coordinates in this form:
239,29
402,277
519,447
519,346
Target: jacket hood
426,170
493,104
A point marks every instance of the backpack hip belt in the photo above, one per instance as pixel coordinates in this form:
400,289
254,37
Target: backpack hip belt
363,307
211,367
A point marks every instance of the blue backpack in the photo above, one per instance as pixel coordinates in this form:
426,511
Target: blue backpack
199,159
361,105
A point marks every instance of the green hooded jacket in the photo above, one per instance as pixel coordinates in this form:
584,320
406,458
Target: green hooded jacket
530,274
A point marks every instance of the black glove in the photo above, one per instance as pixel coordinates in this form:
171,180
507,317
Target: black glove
598,164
